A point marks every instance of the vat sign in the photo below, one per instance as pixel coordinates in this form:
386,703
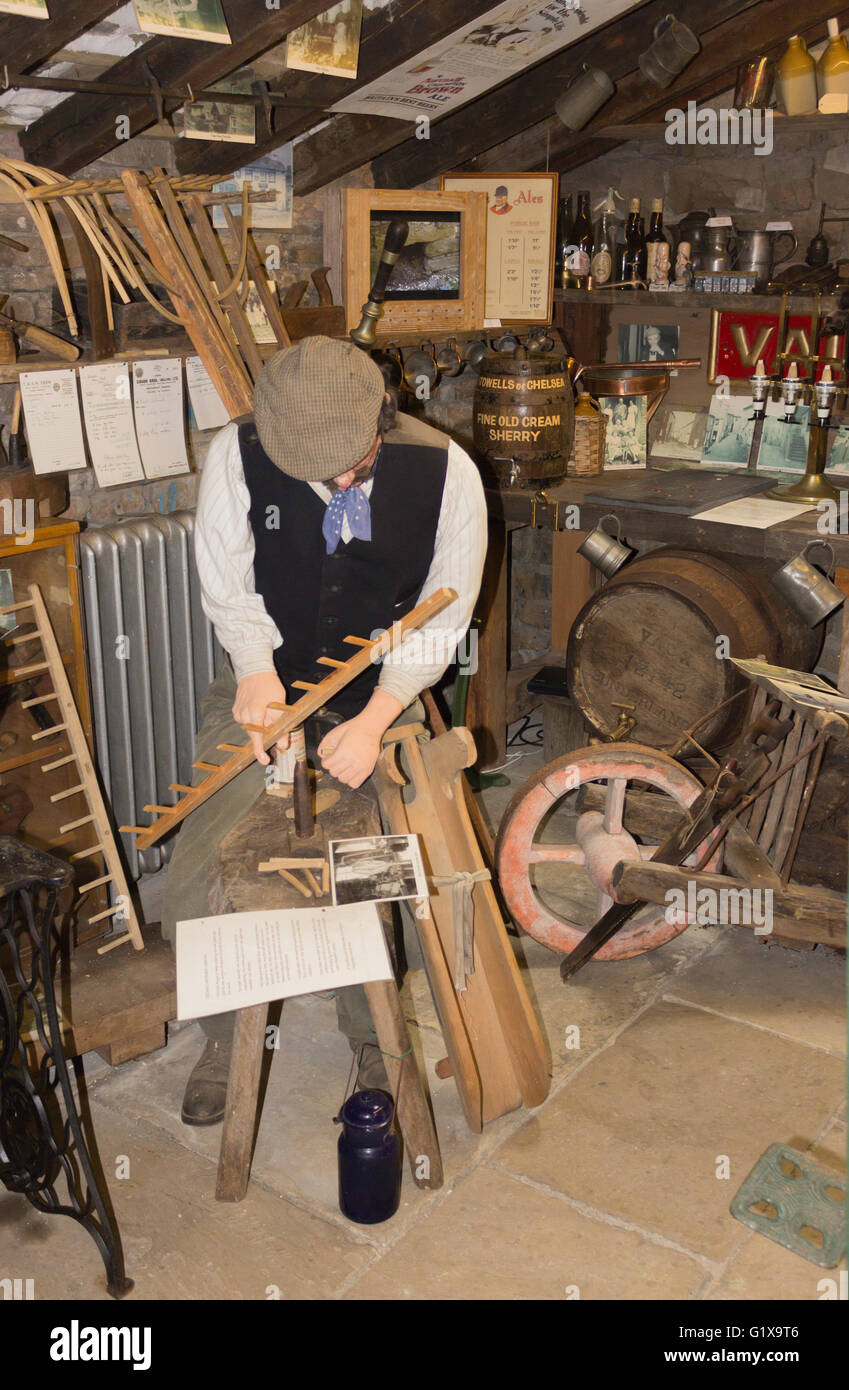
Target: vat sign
738,340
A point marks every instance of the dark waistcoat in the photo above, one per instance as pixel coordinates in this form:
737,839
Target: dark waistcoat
316,599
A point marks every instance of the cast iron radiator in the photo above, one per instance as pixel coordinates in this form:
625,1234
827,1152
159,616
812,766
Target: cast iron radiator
151,655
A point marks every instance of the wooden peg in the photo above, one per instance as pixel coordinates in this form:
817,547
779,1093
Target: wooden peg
86,853
160,810
303,685
328,661
296,883
358,641
310,878
45,733
69,791
75,824
40,700
230,747
205,767
127,830
94,883
60,762
179,787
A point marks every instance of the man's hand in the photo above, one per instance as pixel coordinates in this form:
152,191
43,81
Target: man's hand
350,751
253,696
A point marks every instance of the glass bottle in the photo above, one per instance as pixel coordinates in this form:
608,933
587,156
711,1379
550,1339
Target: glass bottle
634,257
602,266
563,278
582,240
657,249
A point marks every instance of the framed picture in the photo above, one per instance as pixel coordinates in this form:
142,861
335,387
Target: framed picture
625,440
648,342
728,434
330,43
679,435
521,221
438,281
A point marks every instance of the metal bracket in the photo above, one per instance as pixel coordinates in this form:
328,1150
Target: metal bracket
261,91
543,510
157,96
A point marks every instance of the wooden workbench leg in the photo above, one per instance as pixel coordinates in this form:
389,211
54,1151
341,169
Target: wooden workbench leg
414,1115
240,1115
841,579
486,710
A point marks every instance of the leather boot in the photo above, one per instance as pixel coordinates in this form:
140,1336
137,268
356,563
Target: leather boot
371,1072
206,1089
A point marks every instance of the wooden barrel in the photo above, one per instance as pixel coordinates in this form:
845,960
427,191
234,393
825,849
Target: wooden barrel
524,419
652,638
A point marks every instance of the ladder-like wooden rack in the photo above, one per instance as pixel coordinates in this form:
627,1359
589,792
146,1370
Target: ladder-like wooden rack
87,786
219,774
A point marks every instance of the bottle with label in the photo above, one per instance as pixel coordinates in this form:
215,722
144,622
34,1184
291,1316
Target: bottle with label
798,73
607,230
562,277
582,240
833,66
634,256
657,249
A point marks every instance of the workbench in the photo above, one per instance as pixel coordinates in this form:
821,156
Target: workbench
574,579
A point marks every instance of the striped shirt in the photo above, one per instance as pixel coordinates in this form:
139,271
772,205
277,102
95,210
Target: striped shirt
224,551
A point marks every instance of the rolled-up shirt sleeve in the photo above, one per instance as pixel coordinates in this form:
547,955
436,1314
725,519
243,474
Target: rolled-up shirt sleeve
224,553
458,559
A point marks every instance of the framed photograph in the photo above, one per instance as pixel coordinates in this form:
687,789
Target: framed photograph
521,221
221,120
625,440
784,444
183,19
438,281
329,44
376,869
263,177
680,434
728,434
648,342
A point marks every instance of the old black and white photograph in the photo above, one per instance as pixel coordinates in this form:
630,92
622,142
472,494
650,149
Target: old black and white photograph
376,869
648,342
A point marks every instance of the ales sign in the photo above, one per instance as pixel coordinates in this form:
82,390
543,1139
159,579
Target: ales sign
738,341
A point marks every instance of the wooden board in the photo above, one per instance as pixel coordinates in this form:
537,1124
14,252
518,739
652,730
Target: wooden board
680,490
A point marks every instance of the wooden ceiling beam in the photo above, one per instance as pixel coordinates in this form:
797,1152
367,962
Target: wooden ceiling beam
389,37
83,128
529,98
25,45
725,47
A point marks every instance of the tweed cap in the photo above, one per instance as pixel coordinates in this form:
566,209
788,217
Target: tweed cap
316,407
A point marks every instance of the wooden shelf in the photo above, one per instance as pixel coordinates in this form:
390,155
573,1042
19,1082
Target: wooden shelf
688,299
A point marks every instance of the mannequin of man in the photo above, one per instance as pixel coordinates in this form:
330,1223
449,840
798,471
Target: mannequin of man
323,515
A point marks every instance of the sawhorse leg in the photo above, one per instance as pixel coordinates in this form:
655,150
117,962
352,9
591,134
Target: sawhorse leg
412,1108
240,1115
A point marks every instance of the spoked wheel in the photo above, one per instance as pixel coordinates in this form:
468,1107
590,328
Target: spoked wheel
555,866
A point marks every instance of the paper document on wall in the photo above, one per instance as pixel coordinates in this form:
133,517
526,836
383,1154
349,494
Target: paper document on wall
110,430
210,411
53,420
244,958
158,401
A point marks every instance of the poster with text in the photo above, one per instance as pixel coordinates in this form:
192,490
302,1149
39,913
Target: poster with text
499,44
159,413
520,231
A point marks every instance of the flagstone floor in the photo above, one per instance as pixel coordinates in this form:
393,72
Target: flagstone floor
671,1074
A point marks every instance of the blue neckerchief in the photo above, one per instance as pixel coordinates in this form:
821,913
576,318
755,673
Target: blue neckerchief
353,504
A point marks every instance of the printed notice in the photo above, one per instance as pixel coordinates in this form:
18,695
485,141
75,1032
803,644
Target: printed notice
245,958
53,420
109,424
158,400
209,410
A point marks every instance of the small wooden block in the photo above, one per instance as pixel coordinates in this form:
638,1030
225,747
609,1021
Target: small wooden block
139,1045
324,799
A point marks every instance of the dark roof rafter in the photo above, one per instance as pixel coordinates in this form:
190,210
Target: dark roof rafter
713,71
389,37
529,98
83,128
26,44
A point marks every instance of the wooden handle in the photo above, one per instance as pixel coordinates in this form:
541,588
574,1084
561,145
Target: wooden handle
40,338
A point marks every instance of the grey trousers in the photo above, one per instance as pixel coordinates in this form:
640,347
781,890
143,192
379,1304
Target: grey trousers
202,832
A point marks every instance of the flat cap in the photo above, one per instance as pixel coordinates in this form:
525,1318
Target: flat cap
316,407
